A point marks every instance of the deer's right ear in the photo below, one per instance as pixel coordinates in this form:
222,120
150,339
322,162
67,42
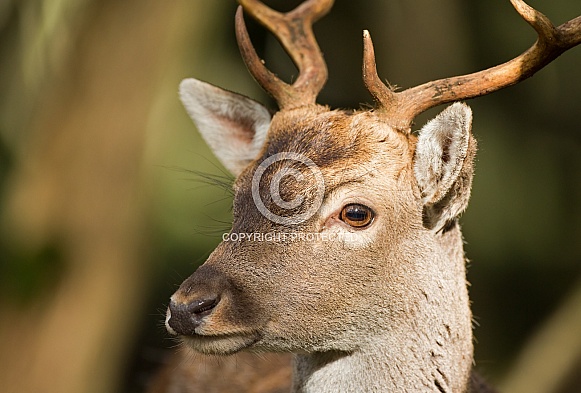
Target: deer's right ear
232,125
443,165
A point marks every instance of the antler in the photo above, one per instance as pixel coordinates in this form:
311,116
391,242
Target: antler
295,33
402,107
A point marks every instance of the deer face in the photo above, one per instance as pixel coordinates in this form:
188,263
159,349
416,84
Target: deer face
366,199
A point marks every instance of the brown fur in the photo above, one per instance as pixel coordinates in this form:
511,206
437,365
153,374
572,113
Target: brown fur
243,372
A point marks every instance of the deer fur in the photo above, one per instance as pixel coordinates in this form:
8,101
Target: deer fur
384,309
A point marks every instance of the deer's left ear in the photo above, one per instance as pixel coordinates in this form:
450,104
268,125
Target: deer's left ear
232,125
443,165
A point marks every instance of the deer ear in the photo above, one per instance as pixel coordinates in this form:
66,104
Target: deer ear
232,125
443,165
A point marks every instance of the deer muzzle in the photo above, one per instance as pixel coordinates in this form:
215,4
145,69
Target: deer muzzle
197,301
184,318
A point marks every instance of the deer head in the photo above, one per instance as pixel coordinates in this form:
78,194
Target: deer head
345,247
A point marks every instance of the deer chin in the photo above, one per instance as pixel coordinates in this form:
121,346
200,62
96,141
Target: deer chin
220,344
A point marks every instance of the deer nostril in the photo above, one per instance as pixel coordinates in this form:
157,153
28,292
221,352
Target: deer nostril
184,318
201,306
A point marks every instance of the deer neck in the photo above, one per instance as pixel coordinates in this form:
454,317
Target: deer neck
431,352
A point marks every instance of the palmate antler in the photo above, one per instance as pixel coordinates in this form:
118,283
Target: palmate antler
400,108
294,31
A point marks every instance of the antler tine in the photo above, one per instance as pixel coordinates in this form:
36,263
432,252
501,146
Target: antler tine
402,107
295,33
281,91
380,92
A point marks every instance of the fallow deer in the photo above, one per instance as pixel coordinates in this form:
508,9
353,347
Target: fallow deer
362,274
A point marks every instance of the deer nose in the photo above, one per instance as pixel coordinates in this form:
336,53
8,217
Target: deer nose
184,318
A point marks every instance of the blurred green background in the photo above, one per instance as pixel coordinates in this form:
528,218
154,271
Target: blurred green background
102,216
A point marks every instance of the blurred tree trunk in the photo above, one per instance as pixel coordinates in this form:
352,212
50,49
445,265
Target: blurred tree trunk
78,183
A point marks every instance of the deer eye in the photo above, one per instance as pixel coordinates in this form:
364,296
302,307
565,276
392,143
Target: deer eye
356,215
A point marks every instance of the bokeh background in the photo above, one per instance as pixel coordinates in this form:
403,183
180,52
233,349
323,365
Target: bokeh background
104,208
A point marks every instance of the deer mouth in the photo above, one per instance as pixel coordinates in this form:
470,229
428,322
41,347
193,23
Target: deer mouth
220,344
